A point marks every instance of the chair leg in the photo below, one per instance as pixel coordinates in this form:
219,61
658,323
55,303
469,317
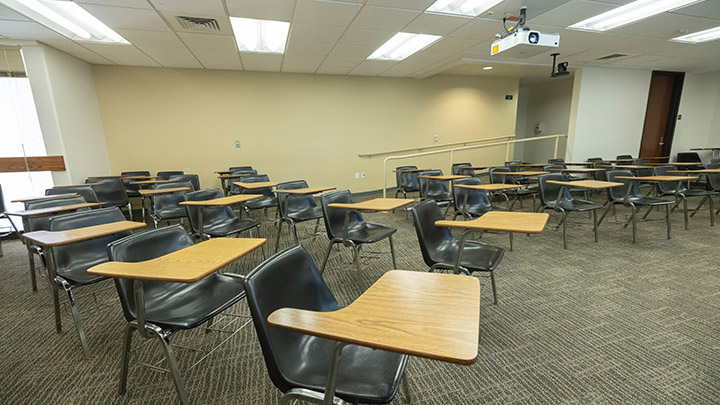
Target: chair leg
667,219
327,256
392,252
31,259
277,238
712,211
356,256
56,306
406,389
564,224
130,213
76,318
492,283
397,191
257,234
635,225
317,224
702,202
172,364
595,227
685,212
125,360
294,229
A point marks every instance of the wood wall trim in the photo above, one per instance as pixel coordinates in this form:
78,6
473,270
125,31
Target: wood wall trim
32,164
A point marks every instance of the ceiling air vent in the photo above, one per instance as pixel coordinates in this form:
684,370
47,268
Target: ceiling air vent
613,56
199,23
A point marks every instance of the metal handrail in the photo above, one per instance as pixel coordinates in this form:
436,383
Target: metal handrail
450,151
442,145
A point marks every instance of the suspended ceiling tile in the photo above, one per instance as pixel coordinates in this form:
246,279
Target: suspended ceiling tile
307,48
218,59
366,38
128,18
334,14
117,3
261,61
420,5
193,8
205,41
277,10
383,19
150,38
301,63
122,54
666,26
316,34
372,67
571,13
167,56
478,29
436,24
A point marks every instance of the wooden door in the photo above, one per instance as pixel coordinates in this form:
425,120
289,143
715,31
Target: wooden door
661,113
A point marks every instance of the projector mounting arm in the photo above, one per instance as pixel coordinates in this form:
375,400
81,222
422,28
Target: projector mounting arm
520,22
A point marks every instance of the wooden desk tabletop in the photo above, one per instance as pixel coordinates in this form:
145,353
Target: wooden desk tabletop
698,171
148,193
51,210
185,265
304,191
223,201
654,157
139,177
576,163
78,185
376,204
678,164
141,182
620,160
503,221
576,170
233,176
261,184
475,167
529,164
58,238
410,170
488,187
658,178
525,173
590,184
445,177
431,315
629,167
43,197
223,172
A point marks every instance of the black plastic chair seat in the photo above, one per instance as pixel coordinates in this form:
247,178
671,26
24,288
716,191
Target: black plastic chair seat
439,195
77,273
476,256
185,306
262,202
171,212
365,375
236,225
369,233
649,201
575,205
696,192
306,214
478,211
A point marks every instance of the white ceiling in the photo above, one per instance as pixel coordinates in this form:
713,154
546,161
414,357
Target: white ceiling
336,37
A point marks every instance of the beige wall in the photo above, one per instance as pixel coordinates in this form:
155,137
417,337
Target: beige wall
293,126
700,108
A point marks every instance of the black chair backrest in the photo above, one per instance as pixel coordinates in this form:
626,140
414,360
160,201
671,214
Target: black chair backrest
335,217
132,189
458,169
194,179
166,174
601,175
714,179
665,187
556,161
90,252
289,279
500,178
140,247
85,191
594,159
42,223
295,202
430,236
515,166
110,192
554,167
211,215
475,198
688,157
260,178
549,191
237,189
406,180
618,193
432,187
618,157
167,205
2,201
239,168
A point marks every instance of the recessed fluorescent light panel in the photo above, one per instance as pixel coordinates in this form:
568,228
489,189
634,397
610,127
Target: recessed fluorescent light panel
67,18
462,7
703,36
264,36
629,13
402,45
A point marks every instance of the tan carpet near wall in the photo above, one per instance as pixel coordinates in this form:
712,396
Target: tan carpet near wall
595,324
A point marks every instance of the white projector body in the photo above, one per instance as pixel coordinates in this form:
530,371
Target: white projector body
524,44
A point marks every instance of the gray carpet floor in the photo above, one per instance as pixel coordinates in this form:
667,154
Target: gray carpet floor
605,323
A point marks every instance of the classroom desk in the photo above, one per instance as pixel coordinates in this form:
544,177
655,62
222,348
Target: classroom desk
575,170
484,187
527,173
150,182
139,177
43,197
529,164
679,180
626,167
575,163
430,315
500,221
78,185
697,171
217,202
252,186
295,192
715,152
677,164
445,177
226,175
410,170
49,239
148,194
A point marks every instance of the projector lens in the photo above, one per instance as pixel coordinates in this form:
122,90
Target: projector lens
534,37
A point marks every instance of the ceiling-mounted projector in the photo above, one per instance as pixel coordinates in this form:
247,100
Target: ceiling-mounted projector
524,44
518,41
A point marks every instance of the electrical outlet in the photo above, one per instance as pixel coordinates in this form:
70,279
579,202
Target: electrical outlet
436,138
362,175
357,175
237,144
